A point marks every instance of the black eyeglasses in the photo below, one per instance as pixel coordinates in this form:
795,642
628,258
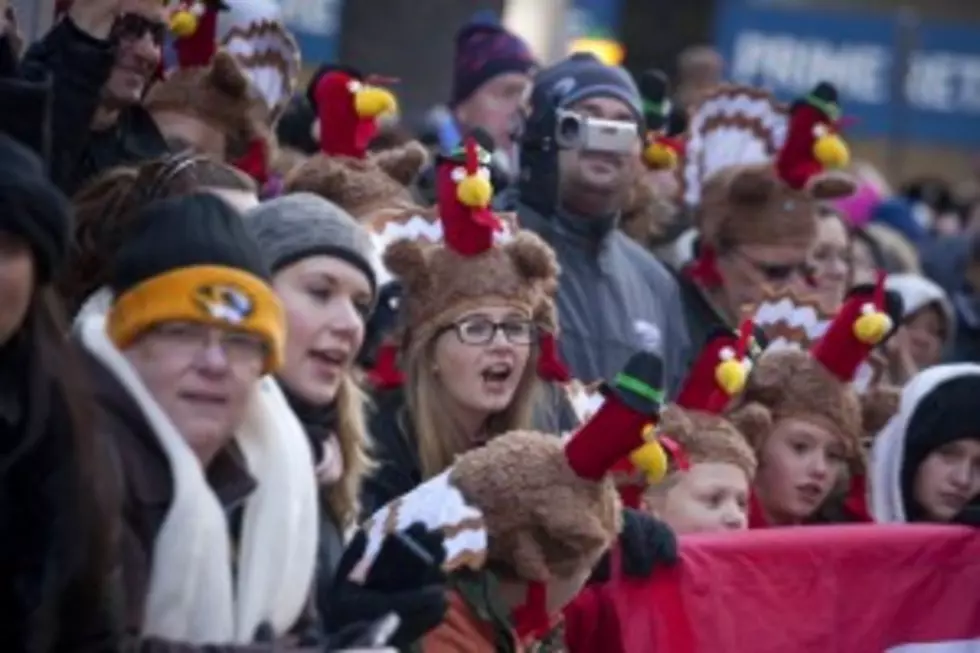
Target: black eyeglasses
777,271
134,27
481,331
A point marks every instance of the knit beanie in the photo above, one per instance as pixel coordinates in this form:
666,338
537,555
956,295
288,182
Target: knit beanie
190,259
484,51
582,76
296,226
32,207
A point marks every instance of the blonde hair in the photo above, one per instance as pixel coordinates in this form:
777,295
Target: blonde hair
437,437
343,496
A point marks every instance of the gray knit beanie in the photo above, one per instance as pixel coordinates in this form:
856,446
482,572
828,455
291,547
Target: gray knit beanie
299,225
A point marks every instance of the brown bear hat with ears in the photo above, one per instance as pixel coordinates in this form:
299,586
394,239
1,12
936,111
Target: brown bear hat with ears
218,94
752,205
440,283
364,187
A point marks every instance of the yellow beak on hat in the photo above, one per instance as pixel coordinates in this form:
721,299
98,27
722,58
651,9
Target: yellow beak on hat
731,375
373,102
660,157
475,192
872,327
183,23
831,151
651,459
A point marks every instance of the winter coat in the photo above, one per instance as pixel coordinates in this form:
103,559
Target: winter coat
398,468
58,590
148,493
79,66
701,317
25,110
478,621
614,298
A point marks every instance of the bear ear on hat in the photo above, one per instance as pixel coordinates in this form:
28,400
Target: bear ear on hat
752,185
322,175
227,75
407,260
831,186
532,257
753,420
403,163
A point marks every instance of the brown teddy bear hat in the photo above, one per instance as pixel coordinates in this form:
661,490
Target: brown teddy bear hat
364,187
218,94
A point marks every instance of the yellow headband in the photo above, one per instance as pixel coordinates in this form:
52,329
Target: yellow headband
210,294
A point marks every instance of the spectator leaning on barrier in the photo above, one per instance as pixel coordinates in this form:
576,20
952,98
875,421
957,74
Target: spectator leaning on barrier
614,298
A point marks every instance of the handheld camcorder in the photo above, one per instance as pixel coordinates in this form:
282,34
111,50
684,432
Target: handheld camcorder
577,132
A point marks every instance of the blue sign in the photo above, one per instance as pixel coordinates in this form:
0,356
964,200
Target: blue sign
316,26
790,50
595,18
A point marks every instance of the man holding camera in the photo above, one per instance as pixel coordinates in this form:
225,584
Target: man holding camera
579,154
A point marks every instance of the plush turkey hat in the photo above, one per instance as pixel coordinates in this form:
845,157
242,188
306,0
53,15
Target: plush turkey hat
533,504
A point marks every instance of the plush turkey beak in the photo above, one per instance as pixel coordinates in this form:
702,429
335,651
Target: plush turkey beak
474,192
372,102
831,151
731,376
651,459
872,328
183,23
658,156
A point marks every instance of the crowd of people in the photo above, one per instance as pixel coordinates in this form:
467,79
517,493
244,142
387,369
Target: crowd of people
280,374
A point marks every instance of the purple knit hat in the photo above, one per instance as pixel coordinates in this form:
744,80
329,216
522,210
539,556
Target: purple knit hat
483,51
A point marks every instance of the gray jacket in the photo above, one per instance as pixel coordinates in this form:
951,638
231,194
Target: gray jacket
614,298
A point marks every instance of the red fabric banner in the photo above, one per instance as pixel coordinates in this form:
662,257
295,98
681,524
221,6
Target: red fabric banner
833,589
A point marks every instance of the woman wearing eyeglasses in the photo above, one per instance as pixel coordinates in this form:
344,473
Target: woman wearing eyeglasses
468,351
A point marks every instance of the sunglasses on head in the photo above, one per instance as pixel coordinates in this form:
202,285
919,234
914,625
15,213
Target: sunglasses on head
134,27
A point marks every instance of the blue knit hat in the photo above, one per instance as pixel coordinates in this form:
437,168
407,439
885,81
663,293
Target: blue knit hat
484,51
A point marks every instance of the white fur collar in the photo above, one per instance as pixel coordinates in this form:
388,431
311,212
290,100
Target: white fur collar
191,596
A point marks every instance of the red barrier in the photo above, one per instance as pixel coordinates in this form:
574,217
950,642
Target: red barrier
834,589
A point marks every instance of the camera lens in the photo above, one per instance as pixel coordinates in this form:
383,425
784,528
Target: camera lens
569,128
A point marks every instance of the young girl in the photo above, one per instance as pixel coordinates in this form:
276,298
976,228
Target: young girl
320,260
468,337
925,463
803,415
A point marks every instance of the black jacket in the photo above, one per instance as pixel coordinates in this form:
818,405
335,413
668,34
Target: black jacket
702,318
79,66
396,454
58,589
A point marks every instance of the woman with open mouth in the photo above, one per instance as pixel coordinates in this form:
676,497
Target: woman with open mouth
320,260
468,341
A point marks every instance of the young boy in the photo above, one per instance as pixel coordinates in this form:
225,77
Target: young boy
712,493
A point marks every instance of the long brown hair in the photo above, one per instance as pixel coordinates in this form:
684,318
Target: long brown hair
352,434
59,401
437,436
105,209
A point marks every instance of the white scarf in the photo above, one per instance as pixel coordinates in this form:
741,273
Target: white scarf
888,451
191,595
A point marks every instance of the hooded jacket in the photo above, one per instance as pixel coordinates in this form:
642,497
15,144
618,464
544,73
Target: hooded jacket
929,401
